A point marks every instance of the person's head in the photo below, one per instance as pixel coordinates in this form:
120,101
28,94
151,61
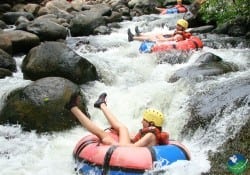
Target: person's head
153,117
179,1
182,24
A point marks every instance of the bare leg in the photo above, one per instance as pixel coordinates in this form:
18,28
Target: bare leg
145,38
92,127
124,137
88,124
141,37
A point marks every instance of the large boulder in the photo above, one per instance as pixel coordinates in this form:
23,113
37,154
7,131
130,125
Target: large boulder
5,43
59,8
237,27
2,25
21,41
141,7
5,72
240,143
7,62
47,30
215,101
207,64
56,59
40,106
84,23
11,17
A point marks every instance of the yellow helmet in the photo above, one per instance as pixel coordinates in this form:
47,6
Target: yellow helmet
179,0
183,23
155,116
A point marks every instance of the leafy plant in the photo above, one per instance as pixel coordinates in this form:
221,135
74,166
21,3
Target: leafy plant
224,10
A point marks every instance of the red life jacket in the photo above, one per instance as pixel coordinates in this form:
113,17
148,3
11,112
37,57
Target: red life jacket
161,137
185,35
181,8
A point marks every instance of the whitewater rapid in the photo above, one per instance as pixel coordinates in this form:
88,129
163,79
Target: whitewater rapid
133,81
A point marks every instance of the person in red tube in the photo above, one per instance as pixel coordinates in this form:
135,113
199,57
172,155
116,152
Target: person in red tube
178,8
151,133
178,34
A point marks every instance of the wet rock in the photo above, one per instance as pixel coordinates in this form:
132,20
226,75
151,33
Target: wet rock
173,57
224,41
2,25
47,30
142,7
84,23
202,29
216,100
21,41
56,59
21,23
4,7
237,27
5,43
40,106
11,17
240,143
5,72
102,30
7,62
207,64
32,8
60,8
115,17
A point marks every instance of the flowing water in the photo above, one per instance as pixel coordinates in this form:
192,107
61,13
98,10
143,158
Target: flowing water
133,81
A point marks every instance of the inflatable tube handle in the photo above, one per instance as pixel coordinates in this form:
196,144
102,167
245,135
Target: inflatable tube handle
83,145
107,159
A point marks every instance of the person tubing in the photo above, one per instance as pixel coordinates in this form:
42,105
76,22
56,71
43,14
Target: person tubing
156,118
180,7
183,23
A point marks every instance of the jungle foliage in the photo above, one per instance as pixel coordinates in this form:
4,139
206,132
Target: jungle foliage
224,10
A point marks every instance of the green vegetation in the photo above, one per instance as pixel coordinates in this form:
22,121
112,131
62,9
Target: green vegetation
224,10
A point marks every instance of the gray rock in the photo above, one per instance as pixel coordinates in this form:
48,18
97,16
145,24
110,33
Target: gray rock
47,30
223,97
11,17
21,41
5,72
40,106
207,64
7,62
56,59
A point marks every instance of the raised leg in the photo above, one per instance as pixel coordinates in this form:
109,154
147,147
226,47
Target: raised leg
124,137
87,123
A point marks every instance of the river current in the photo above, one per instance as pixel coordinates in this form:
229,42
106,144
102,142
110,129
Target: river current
133,81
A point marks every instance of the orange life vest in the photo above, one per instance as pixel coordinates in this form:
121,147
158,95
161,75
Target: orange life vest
181,8
162,137
189,44
185,35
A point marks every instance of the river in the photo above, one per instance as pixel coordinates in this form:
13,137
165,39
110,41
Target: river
132,81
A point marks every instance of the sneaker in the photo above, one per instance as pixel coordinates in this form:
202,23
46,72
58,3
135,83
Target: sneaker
130,35
100,100
137,31
74,101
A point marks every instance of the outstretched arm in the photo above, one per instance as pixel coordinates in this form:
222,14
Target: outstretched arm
148,139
